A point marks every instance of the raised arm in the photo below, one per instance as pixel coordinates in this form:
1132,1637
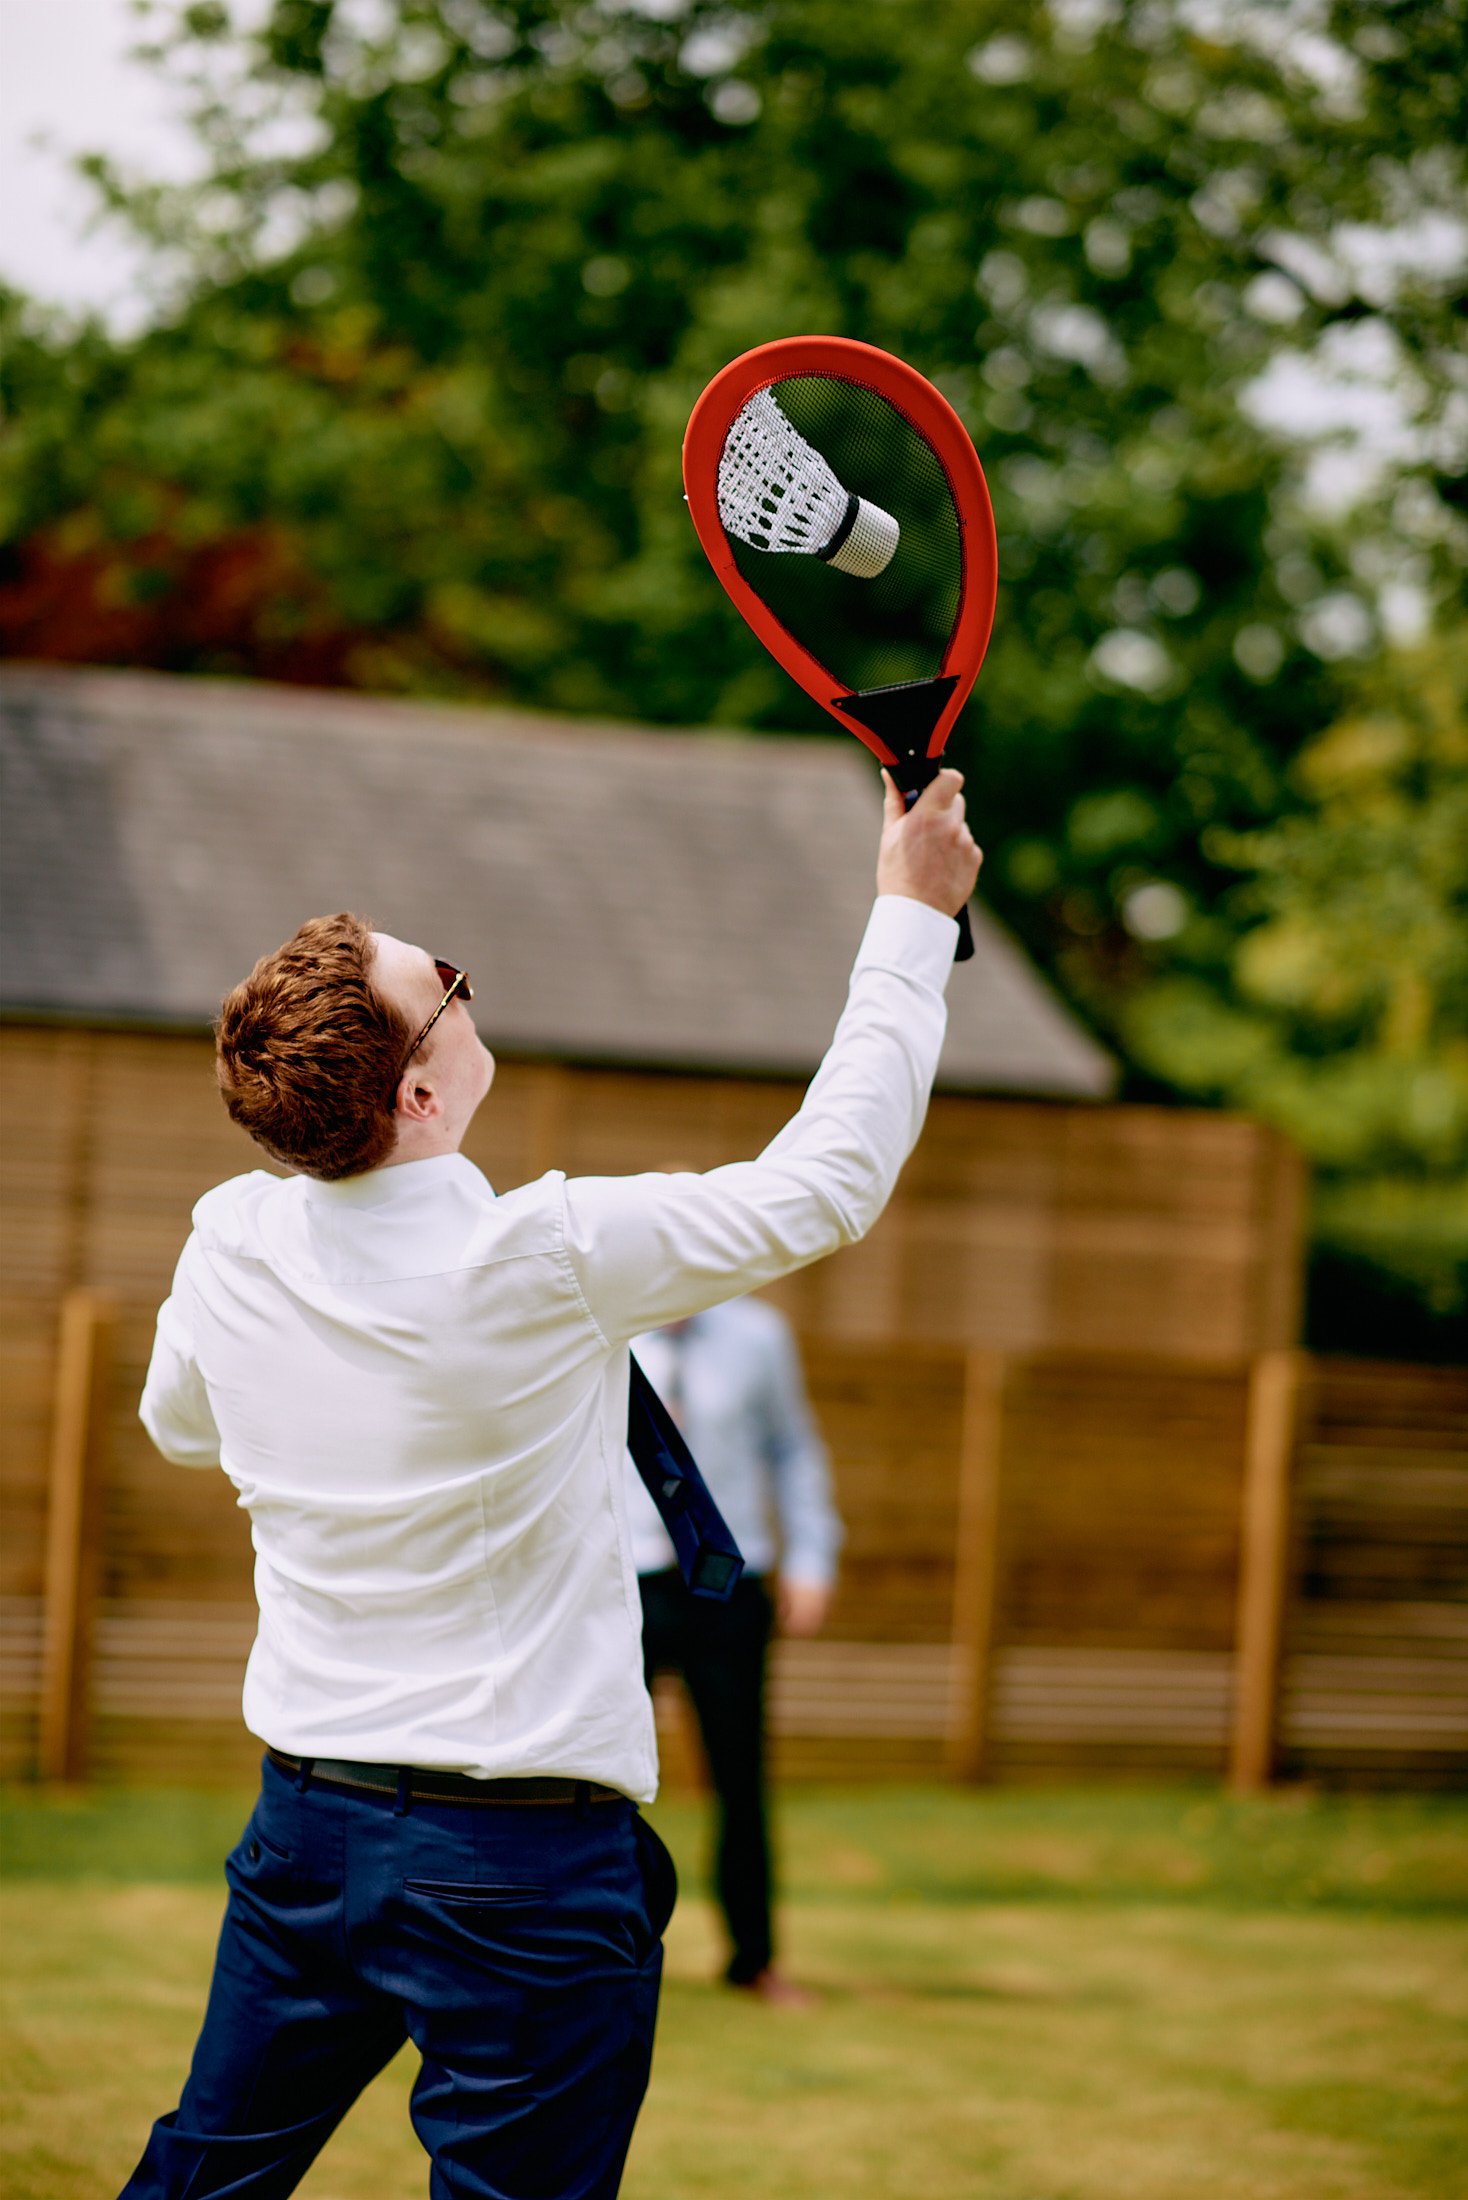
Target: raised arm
648,1250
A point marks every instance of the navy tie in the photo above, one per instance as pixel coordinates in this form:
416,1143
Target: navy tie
709,1559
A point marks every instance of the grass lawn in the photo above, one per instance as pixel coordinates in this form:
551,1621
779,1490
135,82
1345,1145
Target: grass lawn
1024,1995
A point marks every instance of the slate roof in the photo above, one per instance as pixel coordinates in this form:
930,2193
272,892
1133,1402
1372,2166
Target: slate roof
679,900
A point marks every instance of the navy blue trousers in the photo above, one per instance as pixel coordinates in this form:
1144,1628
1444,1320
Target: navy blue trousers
518,1947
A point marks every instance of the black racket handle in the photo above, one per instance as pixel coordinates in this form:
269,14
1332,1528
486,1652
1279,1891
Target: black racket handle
964,952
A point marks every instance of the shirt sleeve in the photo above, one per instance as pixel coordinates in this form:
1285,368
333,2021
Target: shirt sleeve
810,1530
648,1250
175,1406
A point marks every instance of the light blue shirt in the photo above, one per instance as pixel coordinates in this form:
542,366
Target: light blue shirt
732,1376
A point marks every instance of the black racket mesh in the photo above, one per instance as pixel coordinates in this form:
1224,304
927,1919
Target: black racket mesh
896,626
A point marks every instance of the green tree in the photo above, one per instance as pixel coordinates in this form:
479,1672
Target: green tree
1343,1017
428,332
459,270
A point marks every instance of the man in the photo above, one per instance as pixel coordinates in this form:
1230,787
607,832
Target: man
732,1377
420,1393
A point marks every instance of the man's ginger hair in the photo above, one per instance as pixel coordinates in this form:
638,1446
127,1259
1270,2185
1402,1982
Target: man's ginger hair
309,1054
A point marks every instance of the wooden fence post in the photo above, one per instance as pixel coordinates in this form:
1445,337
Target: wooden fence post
977,1571
83,1369
1269,1445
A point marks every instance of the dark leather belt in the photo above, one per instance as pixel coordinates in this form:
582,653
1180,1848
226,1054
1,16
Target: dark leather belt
412,1783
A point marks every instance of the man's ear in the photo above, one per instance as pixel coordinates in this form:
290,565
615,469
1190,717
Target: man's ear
417,1100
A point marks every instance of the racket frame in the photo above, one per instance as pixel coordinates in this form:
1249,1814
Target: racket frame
929,412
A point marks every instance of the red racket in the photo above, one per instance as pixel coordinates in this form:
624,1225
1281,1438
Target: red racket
842,505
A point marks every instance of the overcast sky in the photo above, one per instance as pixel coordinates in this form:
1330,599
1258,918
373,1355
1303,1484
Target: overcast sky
66,86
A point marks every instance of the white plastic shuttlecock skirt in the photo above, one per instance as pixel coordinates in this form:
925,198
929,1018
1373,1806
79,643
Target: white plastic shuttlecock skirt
777,493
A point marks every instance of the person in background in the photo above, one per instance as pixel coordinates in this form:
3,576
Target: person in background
731,1379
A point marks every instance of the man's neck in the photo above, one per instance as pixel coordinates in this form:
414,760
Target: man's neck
427,1147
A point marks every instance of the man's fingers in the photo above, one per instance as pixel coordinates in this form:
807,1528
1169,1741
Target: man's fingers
928,852
939,794
942,792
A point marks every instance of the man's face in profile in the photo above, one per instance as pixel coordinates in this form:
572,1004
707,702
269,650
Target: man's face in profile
453,1065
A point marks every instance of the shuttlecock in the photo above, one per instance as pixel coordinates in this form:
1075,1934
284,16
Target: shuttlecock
777,493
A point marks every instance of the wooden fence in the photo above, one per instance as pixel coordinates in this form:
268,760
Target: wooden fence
1057,1564
1019,1225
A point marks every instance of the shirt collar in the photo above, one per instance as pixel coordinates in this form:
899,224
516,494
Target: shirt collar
401,1180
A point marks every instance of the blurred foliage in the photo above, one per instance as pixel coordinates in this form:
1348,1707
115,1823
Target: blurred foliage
1342,1012
425,334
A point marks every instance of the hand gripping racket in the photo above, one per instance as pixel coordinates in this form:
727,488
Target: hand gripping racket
842,505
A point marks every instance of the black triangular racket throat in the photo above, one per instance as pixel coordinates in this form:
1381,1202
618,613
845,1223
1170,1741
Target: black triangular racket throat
903,718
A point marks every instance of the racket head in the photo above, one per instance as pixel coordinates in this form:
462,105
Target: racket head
894,439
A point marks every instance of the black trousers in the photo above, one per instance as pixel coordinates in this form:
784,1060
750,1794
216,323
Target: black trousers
719,1649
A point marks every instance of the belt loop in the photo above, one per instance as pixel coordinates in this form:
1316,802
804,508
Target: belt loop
303,1775
583,1798
405,1789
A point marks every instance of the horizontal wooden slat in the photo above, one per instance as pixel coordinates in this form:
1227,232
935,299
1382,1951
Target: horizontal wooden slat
1122,1695
22,1630
1376,1652
1368,1703
861,1688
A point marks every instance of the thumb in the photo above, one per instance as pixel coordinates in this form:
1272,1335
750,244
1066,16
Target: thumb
894,809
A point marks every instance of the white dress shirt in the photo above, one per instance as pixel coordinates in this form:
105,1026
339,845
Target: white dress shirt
420,1392
731,1377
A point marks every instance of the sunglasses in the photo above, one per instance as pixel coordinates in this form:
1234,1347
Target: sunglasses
454,981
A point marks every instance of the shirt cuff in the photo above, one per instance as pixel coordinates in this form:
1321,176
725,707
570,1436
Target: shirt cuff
909,937
811,1573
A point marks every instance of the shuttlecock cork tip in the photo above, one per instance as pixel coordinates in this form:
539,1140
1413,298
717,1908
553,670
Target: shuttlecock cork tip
865,542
